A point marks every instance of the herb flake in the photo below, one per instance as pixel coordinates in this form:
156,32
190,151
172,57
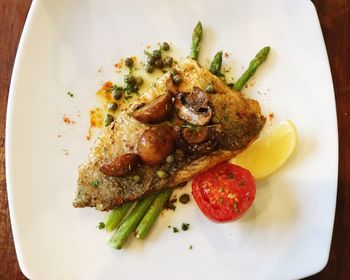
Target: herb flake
95,183
185,226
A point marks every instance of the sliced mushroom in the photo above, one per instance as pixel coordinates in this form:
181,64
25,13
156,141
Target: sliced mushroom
197,99
155,144
194,107
210,136
121,165
171,87
155,111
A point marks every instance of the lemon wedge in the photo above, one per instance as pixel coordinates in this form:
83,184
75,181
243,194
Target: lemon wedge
268,153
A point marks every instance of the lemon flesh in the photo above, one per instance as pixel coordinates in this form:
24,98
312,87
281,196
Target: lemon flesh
267,154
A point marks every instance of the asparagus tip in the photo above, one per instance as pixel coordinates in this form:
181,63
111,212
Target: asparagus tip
138,236
114,245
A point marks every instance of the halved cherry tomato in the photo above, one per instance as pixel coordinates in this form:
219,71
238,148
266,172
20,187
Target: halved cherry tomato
224,192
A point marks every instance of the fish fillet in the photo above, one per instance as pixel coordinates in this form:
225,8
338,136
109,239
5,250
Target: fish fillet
240,119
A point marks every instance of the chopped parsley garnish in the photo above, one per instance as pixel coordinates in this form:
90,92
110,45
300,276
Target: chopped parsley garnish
131,88
185,226
191,247
70,94
101,225
175,229
170,204
95,183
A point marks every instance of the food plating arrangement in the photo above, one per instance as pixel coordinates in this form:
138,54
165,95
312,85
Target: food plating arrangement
190,124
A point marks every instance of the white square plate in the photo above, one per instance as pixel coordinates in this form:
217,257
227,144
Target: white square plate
286,234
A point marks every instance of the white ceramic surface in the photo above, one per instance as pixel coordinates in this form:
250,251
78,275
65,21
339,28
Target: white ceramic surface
286,234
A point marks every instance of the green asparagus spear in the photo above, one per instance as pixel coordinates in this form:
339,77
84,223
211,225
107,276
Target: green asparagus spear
253,65
152,214
215,66
196,39
116,215
121,235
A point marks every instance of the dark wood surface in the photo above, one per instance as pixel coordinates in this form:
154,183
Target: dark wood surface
335,21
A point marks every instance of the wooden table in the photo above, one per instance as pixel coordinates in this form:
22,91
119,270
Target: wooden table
335,20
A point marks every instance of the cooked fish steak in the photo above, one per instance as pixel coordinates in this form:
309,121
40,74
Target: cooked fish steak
239,119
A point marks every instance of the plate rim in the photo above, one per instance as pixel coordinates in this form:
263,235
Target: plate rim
8,128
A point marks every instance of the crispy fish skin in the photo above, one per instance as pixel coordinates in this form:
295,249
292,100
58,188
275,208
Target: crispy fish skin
240,118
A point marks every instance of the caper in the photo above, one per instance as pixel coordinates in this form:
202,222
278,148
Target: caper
165,46
109,119
210,88
112,106
159,63
162,174
151,60
149,68
168,61
129,62
170,159
131,88
130,79
184,198
136,179
139,81
177,79
156,54
117,92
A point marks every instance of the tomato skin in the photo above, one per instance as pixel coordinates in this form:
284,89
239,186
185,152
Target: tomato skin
224,192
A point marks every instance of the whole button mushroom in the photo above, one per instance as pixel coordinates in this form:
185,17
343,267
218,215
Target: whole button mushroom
155,144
